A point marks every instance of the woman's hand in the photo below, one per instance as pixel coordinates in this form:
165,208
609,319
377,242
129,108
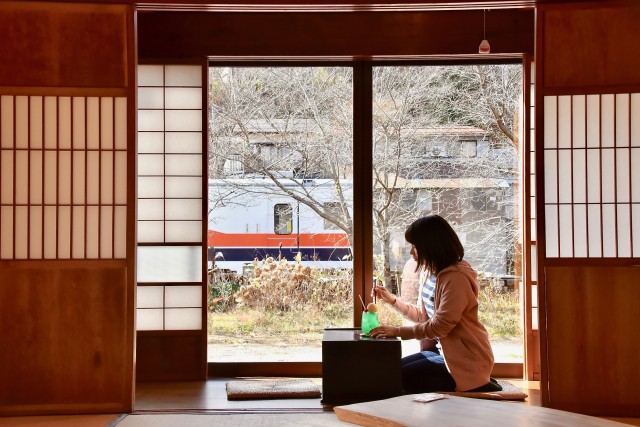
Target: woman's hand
384,332
382,293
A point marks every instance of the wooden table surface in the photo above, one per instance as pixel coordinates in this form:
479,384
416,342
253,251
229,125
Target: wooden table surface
460,411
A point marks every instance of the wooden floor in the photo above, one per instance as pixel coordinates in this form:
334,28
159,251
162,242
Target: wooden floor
210,396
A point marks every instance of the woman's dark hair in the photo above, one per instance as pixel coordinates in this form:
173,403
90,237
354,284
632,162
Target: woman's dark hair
437,245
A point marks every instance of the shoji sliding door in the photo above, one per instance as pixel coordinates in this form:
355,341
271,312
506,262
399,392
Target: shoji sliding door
171,272
66,252
588,207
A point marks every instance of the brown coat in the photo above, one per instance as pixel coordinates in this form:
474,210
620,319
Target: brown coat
465,342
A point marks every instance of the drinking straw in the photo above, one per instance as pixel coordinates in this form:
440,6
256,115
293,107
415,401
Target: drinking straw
363,306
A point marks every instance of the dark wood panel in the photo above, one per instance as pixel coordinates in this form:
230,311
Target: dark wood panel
591,46
264,369
67,340
331,34
170,356
592,339
63,44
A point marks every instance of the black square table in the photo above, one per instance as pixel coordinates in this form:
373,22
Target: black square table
359,369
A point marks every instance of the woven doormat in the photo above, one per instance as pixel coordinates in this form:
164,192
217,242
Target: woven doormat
271,389
508,392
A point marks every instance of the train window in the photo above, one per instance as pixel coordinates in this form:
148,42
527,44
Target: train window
282,219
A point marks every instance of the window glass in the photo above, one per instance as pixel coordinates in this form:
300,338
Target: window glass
282,219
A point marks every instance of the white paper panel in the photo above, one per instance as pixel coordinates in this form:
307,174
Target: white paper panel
120,133
149,319
183,319
534,319
183,120
550,176
534,230
6,177
184,231
106,232
551,215
64,231
622,120
183,164
183,75
635,175
635,119
593,176
120,233
106,123
150,142
64,177
150,75
169,264
64,122
79,123
51,176
183,296
622,175
149,187
580,230
624,230
79,181
532,142
120,177
550,122
6,121
78,235
534,295
566,231
534,263
149,296
151,209
609,248
579,176
532,187
106,177
35,122
608,176
532,115
635,213
184,209
150,164
184,142
150,232
50,122
50,229
184,186
578,121
184,98
564,176
93,232
593,121
594,222
93,177
35,232
607,120
22,177
6,232
22,122
150,97
564,122
150,120
35,177
93,123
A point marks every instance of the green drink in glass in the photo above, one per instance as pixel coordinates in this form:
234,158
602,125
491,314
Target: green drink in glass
369,321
